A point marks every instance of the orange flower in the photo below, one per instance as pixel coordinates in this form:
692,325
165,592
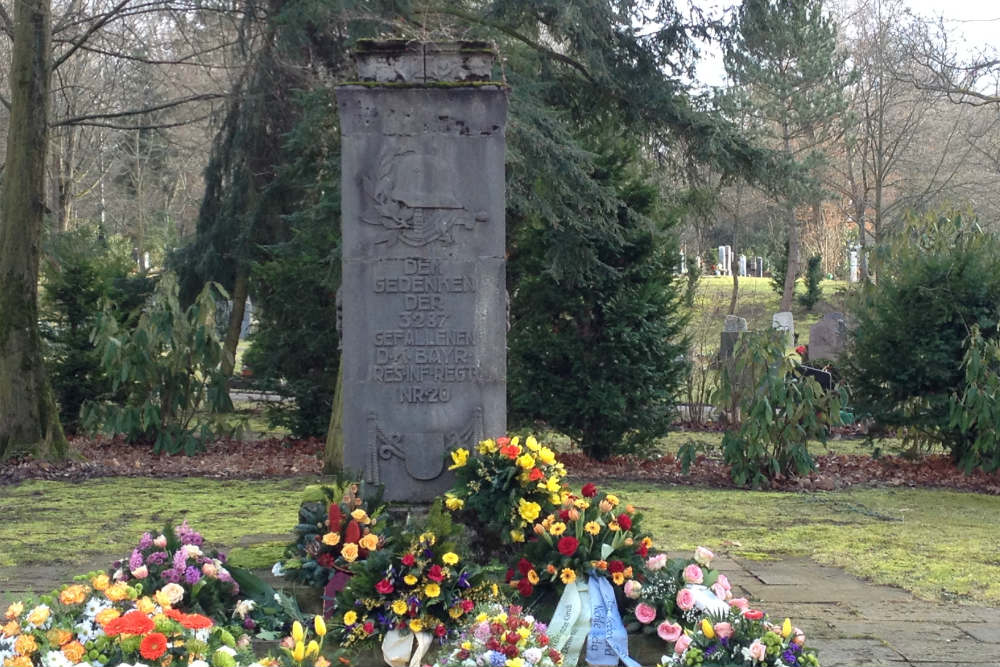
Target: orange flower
153,645
195,621
74,651
74,594
11,629
39,614
100,582
117,592
14,610
550,568
132,623
369,542
618,578
628,572
602,565
17,661
25,645
105,616
58,636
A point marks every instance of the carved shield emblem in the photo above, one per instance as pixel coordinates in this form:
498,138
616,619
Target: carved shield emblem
424,455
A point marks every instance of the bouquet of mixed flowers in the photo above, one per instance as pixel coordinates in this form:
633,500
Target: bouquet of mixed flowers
502,637
175,556
502,485
743,637
100,622
334,530
593,534
674,594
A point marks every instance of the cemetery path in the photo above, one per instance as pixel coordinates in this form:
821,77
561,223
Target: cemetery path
853,623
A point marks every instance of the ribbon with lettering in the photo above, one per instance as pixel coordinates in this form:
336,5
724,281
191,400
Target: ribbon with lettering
398,649
571,622
608,642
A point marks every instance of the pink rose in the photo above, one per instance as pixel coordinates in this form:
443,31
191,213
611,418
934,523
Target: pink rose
798,637
758,650
685,599
140,572
682,644
209,570
723,580
645,613
657,562
160,541
739,603
669,632
693,574
723,630
721,591
632,589
703,556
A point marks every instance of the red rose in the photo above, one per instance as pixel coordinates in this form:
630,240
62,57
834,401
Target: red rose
510,575
753,614
440,630
642,550
567,545
543,640
503,441
511,451
435,574
468,605
525,588
385,587
369,628
524,566
535,475
589,490
409,560
153,645
625,521
615,566
564,515
326,559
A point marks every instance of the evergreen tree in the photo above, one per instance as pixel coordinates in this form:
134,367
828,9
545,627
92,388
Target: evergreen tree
787,71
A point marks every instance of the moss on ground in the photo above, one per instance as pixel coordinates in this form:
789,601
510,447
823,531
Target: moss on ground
938,544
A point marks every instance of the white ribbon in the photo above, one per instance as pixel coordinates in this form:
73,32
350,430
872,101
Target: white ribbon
706,601
398,649
571,622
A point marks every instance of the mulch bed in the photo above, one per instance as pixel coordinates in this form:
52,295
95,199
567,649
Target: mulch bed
276,458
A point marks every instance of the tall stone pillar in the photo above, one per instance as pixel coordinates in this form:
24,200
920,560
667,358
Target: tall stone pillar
424,299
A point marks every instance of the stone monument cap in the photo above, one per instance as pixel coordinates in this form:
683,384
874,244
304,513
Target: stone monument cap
734,323
414,62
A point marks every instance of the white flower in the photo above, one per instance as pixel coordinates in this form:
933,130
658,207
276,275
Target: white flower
533,655
197,663
192,551
244,607
202,634
278,570
228,650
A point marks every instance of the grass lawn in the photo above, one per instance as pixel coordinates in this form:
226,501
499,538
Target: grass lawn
938,544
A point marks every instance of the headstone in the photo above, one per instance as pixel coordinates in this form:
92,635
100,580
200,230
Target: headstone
424,302
743,265
760,267
853,273
828,337
723,264
823,377
682,269
783,322
731,330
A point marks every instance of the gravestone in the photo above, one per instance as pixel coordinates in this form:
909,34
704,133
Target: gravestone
722,263
823,377
852,272
760,267
731,330
828,337
743,265
424,301
783,322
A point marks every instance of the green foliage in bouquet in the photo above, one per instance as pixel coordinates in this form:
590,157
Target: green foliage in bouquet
741,638
336,528
593,533
421,581
496,480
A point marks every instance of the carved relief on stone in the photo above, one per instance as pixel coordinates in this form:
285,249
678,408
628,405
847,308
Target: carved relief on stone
412,198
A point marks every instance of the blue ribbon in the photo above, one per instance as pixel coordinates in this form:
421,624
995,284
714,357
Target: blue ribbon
608,641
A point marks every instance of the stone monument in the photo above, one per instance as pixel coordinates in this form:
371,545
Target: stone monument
743,266
783,322
828,337
731,330
424,300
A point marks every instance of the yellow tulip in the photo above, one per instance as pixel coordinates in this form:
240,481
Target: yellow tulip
320,625
299,652
298,634
786,628
707,629
312,648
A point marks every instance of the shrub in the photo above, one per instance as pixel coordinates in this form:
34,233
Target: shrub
814,275
939,279
80,269
779,269
781,409
975,412
168,372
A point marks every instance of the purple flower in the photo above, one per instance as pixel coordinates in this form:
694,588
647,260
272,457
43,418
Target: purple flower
135,560
157,558
463,580
249,623
171,575
192,575
145,541
180,560
187,535
789,658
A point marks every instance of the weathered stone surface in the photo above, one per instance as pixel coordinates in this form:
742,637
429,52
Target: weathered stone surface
401,61
424,301
828,337
783,321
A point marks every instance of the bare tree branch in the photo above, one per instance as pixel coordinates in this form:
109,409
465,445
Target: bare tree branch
99,23
87,118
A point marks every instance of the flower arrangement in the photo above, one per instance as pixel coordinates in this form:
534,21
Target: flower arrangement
743,637
300,650
503,485
674,594
425,587
334,530
175,556
101,623
590,534
502,637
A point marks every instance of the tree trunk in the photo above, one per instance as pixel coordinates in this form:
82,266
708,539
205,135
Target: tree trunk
333,456
734,268
29,419
794,252
239,297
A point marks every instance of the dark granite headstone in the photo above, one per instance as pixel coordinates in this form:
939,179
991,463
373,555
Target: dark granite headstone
823,377
731,330
424,300
828,337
